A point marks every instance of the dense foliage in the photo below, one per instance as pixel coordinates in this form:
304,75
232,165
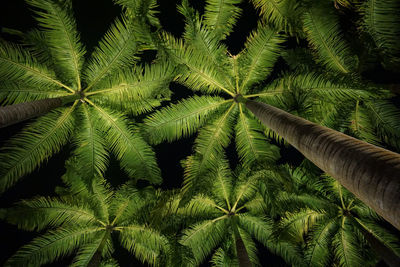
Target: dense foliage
243,194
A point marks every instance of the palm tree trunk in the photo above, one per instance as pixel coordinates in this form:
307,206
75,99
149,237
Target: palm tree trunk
13,114
370,172
243,256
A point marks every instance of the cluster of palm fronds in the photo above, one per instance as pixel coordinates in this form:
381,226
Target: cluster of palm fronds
113,105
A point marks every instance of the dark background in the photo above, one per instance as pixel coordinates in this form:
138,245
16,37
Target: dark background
93,19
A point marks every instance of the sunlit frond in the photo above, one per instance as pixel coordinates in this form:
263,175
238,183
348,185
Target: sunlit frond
196,71
90,146
221,16
321,25
251,143
53,245
256,61
182,119
147,245
318,250
116,50
63,38
17,64
135,155
23,153
204,236
346,251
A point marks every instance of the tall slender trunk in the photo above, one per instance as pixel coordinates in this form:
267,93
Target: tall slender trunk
370,172
243,256
388,255
13,114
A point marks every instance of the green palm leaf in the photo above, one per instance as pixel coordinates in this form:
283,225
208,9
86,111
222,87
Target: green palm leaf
252,145
40,140
63,38
90,152
17,92
204,236
41,212
221,16
345,247
182,119
17,64
256,61
136,156
146,244
52,245
323,32
381,20
114,51
318,252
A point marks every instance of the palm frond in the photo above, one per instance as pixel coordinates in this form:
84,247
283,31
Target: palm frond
222,184
214,137
327,89
381,20
295,225
196,71
17,64
135,155
250,245
115,51
221,16
20,92
135,83
279,13
252,145
23,153
42,212
147,245
259,227
204,236
182,119
87,252
52,245
346,251
204,41
323,32
224,258
318,249
387,238
256,61
63,38
201,206
90,146
384,117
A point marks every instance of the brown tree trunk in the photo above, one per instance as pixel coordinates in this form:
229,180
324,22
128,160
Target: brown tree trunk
370,172
13,114
243,256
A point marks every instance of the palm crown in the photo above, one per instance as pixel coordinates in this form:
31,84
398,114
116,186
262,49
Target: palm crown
85,218
103,90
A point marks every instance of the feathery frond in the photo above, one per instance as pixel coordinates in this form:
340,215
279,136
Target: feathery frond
41,139
323,32
182,119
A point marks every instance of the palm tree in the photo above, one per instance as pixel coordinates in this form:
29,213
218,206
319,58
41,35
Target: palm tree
208,68
336,227
84,220
228,218
91,98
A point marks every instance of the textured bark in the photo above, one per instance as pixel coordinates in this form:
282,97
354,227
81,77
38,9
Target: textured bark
243,256
370,172
13,114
